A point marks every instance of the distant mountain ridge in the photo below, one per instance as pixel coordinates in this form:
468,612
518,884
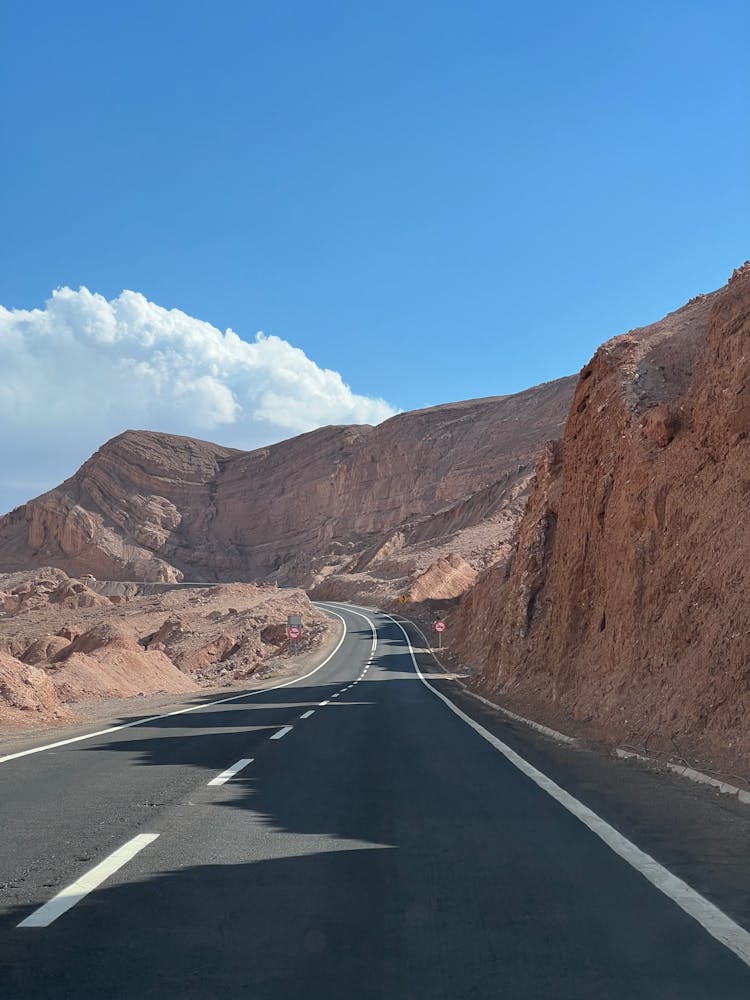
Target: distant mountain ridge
336,501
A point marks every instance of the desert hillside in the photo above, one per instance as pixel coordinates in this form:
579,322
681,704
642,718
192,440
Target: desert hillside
625,601
358,507
62,643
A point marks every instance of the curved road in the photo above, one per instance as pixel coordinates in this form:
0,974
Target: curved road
347,835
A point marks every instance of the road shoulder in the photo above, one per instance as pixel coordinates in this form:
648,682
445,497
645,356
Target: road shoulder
692,830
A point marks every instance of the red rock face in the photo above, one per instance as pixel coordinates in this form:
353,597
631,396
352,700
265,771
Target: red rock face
391,499
626,602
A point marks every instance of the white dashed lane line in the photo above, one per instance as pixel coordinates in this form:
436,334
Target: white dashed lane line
82,886
281,733
231,771
322,703
91,880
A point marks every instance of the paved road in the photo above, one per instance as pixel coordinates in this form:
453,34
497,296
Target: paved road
379,848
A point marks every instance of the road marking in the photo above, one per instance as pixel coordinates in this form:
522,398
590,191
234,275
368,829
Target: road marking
231,771
545,730
322,703
281,733
82,886
710,917
181,711
336,695
306,715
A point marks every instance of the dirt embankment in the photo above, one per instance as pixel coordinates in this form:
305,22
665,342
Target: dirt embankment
625,604
62,643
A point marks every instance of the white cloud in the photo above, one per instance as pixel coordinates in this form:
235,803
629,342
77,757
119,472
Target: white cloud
83,369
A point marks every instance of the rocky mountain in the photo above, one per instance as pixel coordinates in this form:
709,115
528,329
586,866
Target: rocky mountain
626,600
351,506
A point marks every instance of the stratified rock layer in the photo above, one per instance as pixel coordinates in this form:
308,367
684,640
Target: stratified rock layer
388,500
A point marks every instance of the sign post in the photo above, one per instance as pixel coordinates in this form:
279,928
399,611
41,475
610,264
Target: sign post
440,628
294,627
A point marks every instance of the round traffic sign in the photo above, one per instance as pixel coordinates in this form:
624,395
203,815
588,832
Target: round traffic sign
440,626
294,632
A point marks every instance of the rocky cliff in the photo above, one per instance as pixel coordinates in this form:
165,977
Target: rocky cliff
387,501
626,600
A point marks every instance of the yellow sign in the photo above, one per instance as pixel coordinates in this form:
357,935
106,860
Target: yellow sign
404,599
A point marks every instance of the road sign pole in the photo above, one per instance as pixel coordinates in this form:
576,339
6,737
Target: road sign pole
440,628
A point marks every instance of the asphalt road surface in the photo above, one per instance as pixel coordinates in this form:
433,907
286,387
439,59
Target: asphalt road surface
348,835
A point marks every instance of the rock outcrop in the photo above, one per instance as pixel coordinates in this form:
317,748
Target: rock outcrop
385,501
53,653
626,600
27,695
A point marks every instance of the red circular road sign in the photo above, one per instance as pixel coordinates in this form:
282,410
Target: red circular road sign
294,632
440,626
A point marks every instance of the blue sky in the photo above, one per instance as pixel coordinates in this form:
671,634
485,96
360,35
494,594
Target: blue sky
437,200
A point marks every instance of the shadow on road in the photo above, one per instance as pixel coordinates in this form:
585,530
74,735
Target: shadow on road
380,850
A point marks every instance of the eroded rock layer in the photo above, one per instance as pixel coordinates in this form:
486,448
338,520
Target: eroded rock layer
626,601
57,651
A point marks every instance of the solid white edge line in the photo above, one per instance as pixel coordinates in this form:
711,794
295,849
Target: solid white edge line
75,892
231,771
306,715
710,917
181,711
540,728
281,733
